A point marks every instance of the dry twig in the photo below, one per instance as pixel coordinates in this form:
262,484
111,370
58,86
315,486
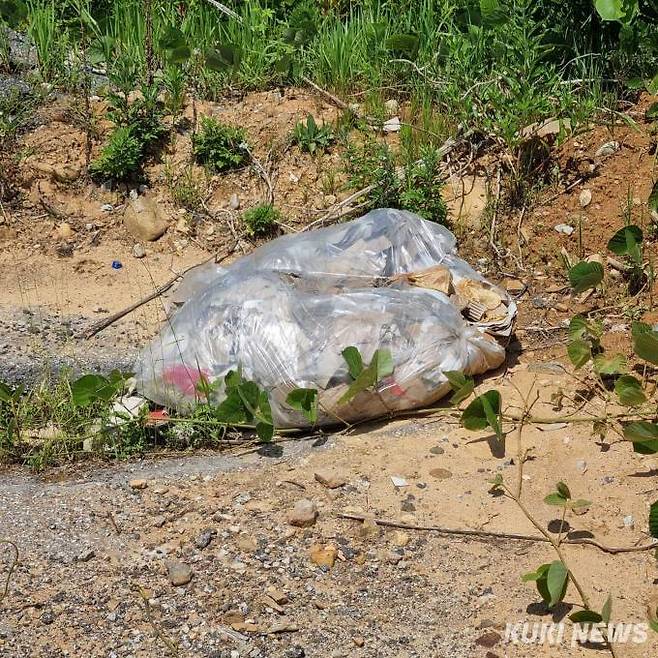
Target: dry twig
12,566
159,633
485,534
111,319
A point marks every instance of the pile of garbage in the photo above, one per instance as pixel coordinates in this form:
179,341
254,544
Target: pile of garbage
284,314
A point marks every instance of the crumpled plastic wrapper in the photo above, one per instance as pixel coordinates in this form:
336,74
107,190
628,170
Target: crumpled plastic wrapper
283,315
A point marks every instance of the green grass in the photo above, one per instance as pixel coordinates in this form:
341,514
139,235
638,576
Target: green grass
218,146
399,179
51,42
52,424
262,220
495,67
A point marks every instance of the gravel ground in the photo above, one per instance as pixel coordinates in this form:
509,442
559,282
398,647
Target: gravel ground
89,542
33,343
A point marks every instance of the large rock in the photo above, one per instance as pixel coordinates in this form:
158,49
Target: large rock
179,573
13,88
329,479
145,220
22,51
304,514
324,556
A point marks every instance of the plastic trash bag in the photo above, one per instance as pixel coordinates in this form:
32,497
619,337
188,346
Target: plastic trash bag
284,314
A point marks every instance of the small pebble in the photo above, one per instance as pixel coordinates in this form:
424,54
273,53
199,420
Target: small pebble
179,573
585,198
564,228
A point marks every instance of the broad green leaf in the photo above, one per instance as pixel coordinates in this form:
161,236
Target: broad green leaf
354,361
653,520
557,579
622,11
493,415
586,617
585,275
306,401
638,328
653,625
606,612
232,379
92,388
646,447
629,390
653,197
540,576
536,575
383,362
644,436
365,380
641,431
626,241
311,125
580,352
609,365
224,57
118,378
6,393
562,498
645,344
456,378
462,386
264,408
231,411
652,112
563,490
555,499
484,412
265,431
250,396
580,327
380,367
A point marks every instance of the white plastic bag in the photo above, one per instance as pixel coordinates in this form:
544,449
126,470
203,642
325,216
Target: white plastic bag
284,314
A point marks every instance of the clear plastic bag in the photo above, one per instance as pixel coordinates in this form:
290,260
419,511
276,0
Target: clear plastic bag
284,314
